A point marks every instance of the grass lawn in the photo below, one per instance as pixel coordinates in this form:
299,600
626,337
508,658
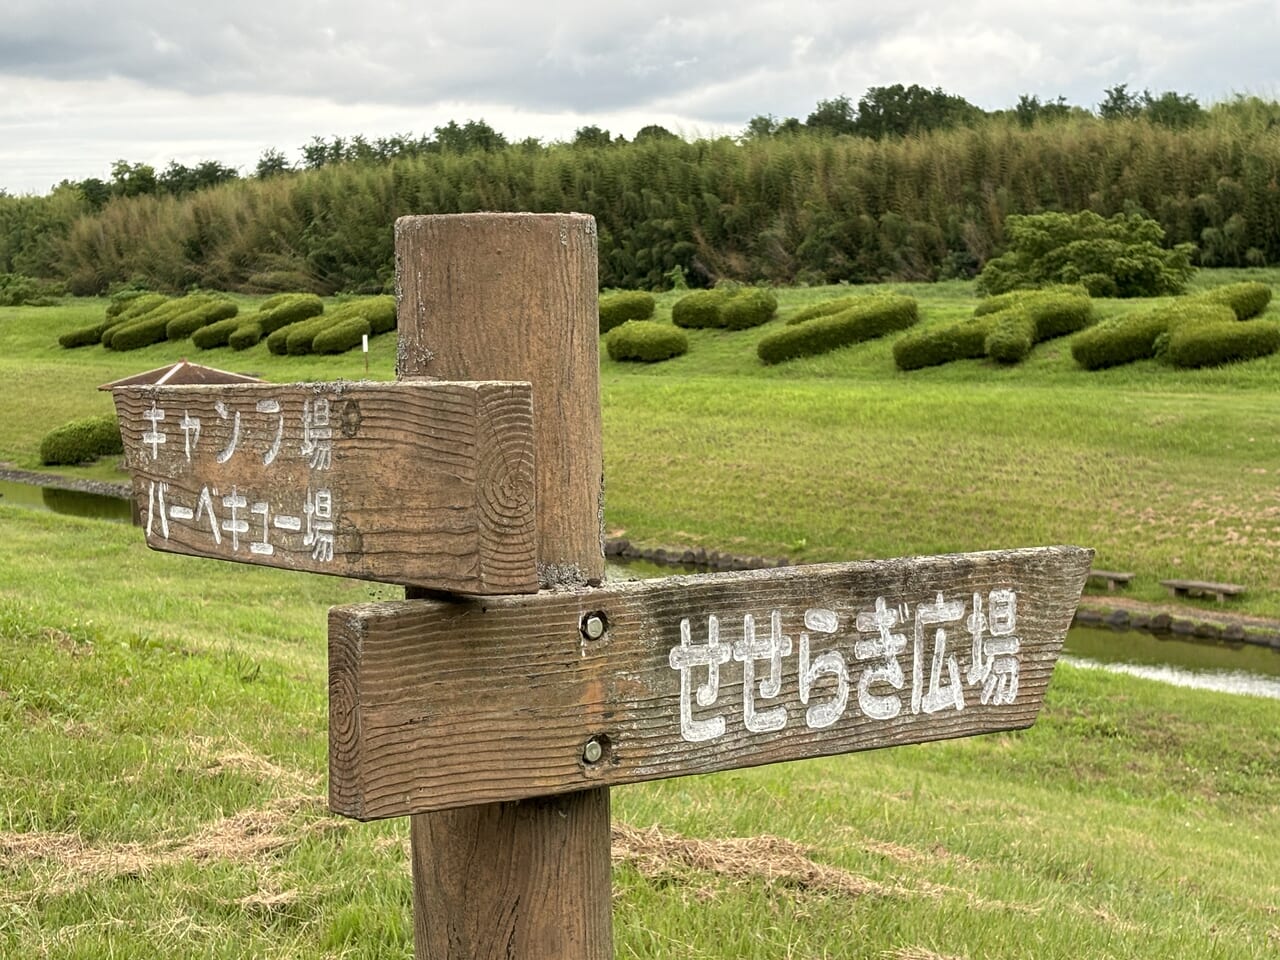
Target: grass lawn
163,719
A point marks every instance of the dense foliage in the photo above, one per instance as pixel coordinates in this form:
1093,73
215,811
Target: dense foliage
1118,257
811,205
728,307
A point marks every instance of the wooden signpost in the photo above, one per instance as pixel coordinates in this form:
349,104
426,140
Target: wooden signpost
499,722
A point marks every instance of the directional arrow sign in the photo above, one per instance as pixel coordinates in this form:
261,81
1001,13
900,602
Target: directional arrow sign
423,483
448,703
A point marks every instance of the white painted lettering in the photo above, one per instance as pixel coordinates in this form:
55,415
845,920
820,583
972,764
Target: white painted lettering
939,694
153,436
772,648
712,655
263,547
225,454
885,648
830,663
272,406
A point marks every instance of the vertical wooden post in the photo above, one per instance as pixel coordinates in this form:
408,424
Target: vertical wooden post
513,297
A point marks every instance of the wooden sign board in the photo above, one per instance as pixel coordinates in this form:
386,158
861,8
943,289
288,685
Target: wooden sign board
421,483
448,703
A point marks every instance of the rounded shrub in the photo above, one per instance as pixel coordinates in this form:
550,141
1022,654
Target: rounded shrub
153,325
872,317
616,309
1056,313
245,336
699,310
136,309
295,307
962,340
121,301
216,334
1211,344
1013,334
1120,341
1246,299
823,309
645,341
341,336
380,312
278,340
82,337
80,441
201,315
748,308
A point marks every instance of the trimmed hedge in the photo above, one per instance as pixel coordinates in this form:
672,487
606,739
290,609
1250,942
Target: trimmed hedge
216,334
823,309
81,440
245,336
341,336
1209,344
82,337
290,308
301,333
748,308
873,317
152,327
700,309
616,309
1059,312
645,341
963,340
1013,334
380,312
1116,342
137,308
184,325
1246,299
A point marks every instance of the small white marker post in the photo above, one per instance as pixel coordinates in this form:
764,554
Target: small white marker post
364,345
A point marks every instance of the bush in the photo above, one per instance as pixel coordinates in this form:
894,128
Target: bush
341,336
748,308
82,337
823,309
278,340
380,312
153,326
963,340
1247,299
1120,341
699,310
19,290
1210,344
80,441
291,309
122,300
645,341
1058,312
1003,301
216,334
1121,256
245,336
187,323
616,309
1013,334
136,309
871,317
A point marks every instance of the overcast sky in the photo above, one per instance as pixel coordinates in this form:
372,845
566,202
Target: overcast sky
83,84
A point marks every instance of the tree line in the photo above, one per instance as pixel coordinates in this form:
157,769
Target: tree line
906,183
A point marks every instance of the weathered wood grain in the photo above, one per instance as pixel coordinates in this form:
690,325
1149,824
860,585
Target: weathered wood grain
499,296
440,704
513,297
415,483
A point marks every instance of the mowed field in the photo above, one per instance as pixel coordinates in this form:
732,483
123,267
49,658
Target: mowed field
162,719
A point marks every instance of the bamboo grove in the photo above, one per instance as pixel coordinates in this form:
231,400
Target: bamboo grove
805,208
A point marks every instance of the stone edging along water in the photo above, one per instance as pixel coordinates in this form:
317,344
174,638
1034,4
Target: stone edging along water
1092,612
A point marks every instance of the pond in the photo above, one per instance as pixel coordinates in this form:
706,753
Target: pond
71,502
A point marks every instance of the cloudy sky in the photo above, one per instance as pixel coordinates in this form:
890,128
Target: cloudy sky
85,82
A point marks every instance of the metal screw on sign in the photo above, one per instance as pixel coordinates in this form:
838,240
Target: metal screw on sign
594,626
593,751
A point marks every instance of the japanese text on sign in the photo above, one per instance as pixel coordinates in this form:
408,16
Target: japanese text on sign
952,644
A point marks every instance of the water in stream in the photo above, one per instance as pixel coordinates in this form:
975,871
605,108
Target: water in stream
71,502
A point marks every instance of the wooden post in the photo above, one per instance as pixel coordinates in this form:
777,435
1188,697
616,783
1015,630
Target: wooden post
513,296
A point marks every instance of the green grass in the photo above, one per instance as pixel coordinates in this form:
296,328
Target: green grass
163,718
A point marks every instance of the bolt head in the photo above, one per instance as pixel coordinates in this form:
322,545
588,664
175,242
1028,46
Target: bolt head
593,751
593,626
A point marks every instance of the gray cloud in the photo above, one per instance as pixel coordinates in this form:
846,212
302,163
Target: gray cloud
347,67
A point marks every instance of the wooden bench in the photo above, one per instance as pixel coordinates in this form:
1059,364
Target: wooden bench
1197,588
1111,577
